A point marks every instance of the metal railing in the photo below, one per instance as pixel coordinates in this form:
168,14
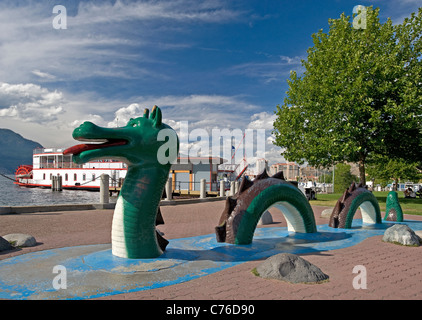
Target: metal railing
72,165
47,150
61,165
194,187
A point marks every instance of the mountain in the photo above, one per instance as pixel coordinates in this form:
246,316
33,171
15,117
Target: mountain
14,151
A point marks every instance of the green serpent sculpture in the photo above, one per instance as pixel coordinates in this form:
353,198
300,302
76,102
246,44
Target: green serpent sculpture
137,208
356,196
393,210
140,144
242,212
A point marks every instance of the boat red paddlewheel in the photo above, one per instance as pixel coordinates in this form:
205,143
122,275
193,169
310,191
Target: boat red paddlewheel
23,171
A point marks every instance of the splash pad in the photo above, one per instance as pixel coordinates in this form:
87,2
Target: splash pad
92,271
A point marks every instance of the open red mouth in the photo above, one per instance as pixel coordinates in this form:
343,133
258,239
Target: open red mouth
75,150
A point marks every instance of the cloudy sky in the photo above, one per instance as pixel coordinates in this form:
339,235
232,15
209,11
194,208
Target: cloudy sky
215,64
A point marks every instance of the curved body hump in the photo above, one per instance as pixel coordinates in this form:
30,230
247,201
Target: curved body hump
353,198
242,212
393,210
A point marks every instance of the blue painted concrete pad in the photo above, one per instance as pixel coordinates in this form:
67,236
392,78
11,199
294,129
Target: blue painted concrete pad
92,271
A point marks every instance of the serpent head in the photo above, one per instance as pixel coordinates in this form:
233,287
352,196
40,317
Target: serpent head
136,143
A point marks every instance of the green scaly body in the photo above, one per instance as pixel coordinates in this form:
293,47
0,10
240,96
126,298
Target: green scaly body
138,144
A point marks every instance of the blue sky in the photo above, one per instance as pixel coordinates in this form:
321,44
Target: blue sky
213,63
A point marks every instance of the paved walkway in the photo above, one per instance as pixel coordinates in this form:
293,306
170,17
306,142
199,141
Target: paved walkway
393,272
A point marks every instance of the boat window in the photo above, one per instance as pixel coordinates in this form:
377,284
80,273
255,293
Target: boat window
75,177
67,161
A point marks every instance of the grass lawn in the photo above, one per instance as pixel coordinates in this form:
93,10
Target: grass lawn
409,206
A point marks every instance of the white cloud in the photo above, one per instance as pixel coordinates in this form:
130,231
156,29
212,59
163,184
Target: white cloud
262,120
274,69
49,117
192,116
265,120
110,39
95,118
177,10
43,75
202,111
396,10
102,39
30,103
123,115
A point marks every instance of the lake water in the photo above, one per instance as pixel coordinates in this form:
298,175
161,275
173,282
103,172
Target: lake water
13,195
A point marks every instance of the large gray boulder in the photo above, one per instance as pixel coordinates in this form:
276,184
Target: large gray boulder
20,240
291,268
401,234
5,245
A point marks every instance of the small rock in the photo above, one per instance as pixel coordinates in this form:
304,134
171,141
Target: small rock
402,234
20,240
327,213
291,268
266,218
5,245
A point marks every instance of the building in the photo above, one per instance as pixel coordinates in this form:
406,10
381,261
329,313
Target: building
188,172
291,170
260,166
309,173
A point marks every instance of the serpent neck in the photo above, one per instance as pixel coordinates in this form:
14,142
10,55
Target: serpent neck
144,184
133,230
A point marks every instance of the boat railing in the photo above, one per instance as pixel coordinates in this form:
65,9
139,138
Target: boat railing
72,165
61,165
47,150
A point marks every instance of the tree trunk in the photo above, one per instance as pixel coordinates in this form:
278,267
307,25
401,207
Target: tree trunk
362,171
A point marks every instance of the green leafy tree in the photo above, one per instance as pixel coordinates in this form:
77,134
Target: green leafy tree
359,96
343,178
327,178
397,170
